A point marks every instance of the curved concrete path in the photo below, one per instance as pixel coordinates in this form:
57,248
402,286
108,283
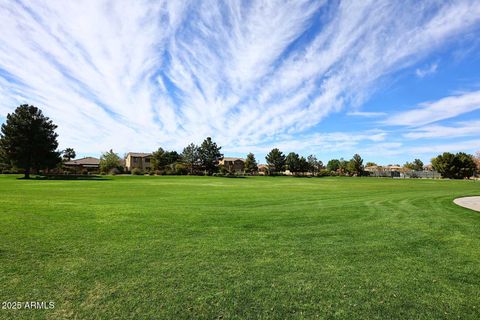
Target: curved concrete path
472,203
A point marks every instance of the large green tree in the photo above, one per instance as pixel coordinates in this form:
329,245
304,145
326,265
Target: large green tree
250,165
416,165
29,140
190,156
109,161
275,160
303,165
314,165
333,165
355,165
209,155
292,161
4,162
162,158
466,165
454,166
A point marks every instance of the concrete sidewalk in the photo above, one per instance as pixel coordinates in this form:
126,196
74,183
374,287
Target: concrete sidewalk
469,202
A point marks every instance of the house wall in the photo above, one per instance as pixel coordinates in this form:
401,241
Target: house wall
235,166
128,164
142,163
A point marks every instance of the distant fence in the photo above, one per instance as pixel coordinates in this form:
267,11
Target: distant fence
406,175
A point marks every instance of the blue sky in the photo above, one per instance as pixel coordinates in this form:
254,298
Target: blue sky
390,80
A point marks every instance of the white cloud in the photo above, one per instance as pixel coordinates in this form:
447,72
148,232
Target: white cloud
461,129
428,70
466,146
366,114
136,75
445,108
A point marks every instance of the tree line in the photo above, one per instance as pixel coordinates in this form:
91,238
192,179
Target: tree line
193,160
28,141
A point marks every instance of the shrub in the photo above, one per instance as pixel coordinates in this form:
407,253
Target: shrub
324,173
181,169
222,169
114,171
137,172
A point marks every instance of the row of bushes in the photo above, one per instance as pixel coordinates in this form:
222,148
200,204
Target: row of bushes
229,175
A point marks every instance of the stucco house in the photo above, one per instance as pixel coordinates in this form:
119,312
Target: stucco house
262,169
138,160
87,164
233,164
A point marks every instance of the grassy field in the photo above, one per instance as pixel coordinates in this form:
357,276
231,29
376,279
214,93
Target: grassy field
262,247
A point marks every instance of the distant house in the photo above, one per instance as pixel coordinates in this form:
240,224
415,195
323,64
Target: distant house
384,171
87,164
233,164
396,171
262,169
428,167
373,168
138,160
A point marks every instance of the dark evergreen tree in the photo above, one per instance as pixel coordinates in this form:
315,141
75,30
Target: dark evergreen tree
29,140
162,158
250,165
355,165
209,155
303,165
190,156
292,162
275,160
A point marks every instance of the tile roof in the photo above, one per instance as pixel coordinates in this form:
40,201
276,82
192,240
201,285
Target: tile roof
83,161
232,159
139,154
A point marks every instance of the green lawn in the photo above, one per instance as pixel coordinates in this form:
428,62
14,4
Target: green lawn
263,247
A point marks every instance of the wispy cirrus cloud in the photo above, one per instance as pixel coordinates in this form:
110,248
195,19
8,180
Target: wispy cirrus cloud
136,75
428,70
460,129
445,108
366,114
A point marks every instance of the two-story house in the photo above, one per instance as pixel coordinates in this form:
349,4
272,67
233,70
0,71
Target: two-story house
233,164
138,160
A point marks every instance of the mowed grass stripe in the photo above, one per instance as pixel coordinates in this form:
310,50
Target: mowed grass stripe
262,247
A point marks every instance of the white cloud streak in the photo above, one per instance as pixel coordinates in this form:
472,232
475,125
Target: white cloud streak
136,75
428,70
445,108
461,129
366,114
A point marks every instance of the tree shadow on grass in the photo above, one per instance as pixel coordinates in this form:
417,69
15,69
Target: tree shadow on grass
73,177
